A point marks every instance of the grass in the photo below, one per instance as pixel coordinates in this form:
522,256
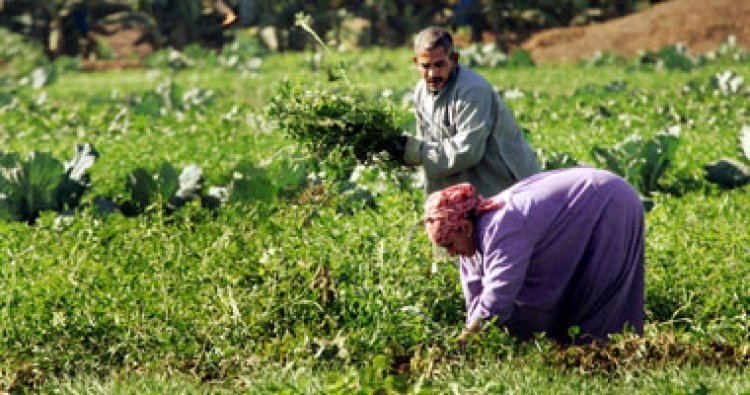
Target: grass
488,377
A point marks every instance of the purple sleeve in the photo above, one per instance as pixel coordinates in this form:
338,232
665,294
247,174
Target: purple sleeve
471,280
507,245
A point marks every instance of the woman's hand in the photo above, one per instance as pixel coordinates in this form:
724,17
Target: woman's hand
463,338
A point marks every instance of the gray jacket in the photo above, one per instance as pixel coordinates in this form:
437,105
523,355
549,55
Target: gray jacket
465,133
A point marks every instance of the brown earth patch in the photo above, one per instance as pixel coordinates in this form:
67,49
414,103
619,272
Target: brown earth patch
700,24
128,43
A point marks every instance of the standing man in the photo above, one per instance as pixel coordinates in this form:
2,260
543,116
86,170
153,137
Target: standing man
465,133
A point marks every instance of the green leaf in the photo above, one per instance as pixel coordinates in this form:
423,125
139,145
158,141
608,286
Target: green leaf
30,186
641,162
289,174
675,57
251,183
9,160
727,173
609,159
658,153
5,209
168,181
558,160
142,188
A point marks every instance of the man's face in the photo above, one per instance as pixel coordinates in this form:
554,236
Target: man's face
435,66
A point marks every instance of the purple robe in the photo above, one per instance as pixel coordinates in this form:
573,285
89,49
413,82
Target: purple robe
567,249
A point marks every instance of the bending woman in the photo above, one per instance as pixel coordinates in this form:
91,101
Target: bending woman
559,249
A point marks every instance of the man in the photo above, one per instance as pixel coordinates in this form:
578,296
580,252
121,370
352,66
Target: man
465,133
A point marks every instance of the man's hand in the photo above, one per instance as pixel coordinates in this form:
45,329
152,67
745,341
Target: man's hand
395,148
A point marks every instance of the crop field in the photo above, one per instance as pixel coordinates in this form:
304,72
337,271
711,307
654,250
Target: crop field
204,250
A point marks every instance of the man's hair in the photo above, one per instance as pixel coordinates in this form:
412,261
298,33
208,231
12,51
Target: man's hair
433,37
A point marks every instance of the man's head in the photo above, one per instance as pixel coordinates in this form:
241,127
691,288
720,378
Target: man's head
435,57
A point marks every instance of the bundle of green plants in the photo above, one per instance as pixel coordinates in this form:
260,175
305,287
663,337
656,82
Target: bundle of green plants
341,122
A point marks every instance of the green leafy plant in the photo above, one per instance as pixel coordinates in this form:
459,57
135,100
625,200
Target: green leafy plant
520,58
557,160
164,189
674,57
247,183
168,96
641,161
42,183
606,58
730,173
327,121
483,55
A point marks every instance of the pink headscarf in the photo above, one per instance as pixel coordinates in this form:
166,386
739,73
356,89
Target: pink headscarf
447,209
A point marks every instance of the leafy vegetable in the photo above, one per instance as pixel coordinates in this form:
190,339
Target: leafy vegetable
247,183
163,189
730,173
641,162
42,183
556,160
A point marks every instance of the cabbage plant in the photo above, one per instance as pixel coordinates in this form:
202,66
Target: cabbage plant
641,161
42,183
247,183
730,173
163,189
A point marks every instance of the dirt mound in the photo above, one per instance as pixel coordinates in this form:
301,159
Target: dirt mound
700,24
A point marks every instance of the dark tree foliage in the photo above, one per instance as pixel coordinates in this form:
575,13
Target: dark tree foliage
60,25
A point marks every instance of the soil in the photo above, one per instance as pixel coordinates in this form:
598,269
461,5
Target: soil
128,44
700,24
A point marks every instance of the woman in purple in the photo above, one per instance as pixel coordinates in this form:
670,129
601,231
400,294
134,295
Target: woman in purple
558,250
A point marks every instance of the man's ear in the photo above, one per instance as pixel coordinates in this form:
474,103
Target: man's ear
454,56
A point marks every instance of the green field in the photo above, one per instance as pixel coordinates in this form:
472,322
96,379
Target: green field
309,290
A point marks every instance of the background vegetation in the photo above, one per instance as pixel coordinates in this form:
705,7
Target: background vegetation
64,26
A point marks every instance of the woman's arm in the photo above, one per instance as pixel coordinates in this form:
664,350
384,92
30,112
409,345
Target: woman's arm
507,247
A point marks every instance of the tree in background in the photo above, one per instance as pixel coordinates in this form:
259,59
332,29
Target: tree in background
64,26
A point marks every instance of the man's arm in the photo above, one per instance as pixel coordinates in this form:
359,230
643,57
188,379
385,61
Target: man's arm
465,146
